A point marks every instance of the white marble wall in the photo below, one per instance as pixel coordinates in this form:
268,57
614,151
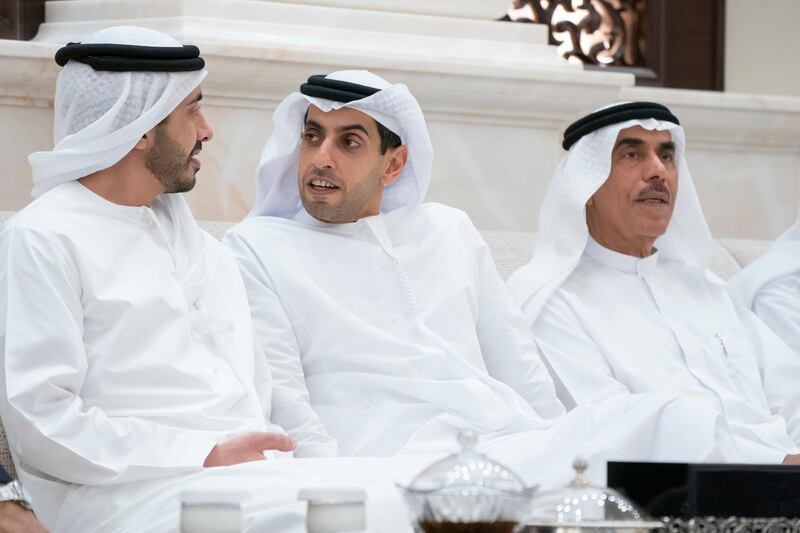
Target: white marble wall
27,82
496,98
762,47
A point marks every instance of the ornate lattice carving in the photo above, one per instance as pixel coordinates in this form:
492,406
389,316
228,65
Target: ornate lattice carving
600,32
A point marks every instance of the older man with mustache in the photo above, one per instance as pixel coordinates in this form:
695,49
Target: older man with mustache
621,300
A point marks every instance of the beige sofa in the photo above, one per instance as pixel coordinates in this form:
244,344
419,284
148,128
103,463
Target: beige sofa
511,250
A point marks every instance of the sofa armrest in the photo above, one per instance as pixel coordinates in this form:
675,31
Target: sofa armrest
5,454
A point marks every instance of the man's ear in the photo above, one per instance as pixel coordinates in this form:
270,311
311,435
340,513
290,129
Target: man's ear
145,141
395,165
590,201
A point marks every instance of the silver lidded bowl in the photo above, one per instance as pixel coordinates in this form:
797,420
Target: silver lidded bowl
581,507
468,493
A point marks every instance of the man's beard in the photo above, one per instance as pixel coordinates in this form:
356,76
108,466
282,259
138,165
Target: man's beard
169,164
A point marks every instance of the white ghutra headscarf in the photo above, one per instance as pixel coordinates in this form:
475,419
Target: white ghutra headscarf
562,233
99,117
393,106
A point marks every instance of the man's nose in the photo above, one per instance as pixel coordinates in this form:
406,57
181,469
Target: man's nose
204,131
323,157
656,168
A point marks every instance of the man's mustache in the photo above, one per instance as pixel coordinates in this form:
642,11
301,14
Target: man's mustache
656,188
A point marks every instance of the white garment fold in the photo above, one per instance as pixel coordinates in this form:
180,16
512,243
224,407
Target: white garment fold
777,303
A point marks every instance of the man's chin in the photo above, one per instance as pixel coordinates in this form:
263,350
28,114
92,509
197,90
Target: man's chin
322,211
654,231
181,186
322,215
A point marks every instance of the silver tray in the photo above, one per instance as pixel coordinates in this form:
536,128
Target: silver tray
732,524
606,526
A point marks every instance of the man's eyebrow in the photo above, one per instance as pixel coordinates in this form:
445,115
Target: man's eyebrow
196,99
352,127
629,141
669,145
314,124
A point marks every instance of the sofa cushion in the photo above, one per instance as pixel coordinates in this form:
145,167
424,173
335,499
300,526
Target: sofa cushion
5,454
216,228
510,249
723,263
745,251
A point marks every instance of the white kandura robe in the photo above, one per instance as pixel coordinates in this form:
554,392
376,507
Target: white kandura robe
623,326
778,304
405,330
108,375
405,333
770,287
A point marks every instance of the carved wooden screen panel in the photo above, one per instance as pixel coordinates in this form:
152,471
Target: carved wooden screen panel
601,32
669,43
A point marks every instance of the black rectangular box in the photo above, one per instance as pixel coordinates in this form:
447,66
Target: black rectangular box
682,490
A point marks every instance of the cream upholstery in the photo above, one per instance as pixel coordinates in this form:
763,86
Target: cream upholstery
511,250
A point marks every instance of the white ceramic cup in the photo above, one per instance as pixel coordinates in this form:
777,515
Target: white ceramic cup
334,509
211,512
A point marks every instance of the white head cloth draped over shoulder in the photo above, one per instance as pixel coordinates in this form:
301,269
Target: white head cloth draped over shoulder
100,115
782,259
562,233
393,106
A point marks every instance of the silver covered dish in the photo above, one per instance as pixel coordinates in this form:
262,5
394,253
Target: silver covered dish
468,493
581,507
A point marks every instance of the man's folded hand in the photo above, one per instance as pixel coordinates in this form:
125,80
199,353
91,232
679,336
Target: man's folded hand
248,447
792,459
15,519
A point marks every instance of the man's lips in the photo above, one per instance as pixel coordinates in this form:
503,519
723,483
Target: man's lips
322,186
193,158
654,199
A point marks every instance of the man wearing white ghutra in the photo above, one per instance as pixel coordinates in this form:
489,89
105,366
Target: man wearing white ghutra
622,303
125,335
